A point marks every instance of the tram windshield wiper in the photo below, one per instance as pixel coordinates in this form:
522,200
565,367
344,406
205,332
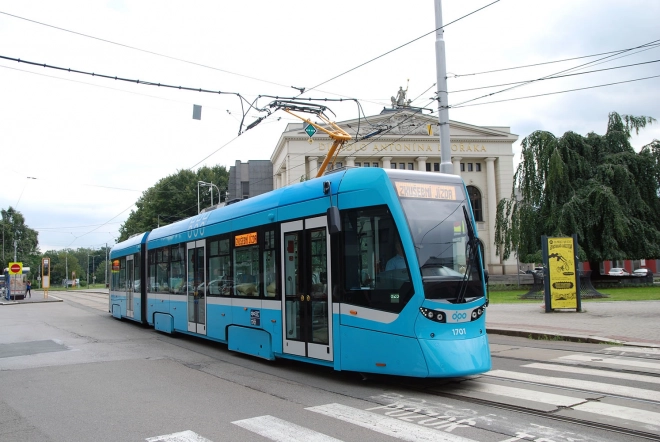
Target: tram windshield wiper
472,248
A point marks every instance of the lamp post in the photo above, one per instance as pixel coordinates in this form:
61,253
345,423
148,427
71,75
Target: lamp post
205,184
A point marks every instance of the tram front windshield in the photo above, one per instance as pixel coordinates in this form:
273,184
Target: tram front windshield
447,249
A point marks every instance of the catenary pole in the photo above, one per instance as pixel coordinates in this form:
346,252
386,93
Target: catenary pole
443,103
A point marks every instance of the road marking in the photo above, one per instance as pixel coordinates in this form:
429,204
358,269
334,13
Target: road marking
520,393
646,350
596,372
386,425
630,414
618,390
613,361
183,436
281,430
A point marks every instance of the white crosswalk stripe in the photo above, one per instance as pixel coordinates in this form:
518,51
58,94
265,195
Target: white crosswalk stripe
616,411
612,361
386,425
595,372
280,430
599,387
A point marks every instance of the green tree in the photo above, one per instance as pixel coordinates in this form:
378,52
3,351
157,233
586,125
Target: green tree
27,242
596,186
173,198
100,271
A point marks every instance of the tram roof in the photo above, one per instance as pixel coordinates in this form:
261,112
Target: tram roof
307,190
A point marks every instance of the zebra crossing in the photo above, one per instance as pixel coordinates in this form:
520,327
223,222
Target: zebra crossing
620,391
617,390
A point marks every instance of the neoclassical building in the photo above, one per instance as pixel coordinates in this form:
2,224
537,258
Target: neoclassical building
402,138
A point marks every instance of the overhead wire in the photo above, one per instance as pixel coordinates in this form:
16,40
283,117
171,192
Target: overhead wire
541,64
555,77
142,50
555,93
546,76
401,46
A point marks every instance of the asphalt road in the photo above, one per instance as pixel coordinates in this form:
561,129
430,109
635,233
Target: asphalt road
71,372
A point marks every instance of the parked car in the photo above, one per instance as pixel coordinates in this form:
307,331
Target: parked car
642,272
618,271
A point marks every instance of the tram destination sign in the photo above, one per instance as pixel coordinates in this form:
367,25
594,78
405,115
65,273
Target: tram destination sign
246,239
407,189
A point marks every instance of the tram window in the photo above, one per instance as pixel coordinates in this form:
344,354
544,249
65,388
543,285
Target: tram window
219,268
177,272
370,236
137,279
115,275
122,274
152,271
246,270
162,268
270,272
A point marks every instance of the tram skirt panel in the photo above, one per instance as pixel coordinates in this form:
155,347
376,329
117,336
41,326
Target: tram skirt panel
251,341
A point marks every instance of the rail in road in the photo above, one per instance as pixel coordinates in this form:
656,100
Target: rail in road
614,389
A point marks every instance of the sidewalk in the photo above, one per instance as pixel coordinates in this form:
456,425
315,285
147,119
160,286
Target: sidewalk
634,323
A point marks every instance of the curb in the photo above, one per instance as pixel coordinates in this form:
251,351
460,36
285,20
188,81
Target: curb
543,336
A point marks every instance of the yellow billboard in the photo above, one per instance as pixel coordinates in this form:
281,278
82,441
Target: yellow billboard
563,276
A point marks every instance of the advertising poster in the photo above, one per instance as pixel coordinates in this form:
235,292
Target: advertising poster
563,275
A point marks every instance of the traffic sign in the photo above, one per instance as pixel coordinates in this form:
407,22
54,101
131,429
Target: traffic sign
15,268
311,130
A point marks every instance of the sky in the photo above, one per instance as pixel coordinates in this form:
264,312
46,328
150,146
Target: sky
77,151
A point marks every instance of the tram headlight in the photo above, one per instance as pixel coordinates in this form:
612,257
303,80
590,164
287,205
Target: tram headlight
476,313
433,315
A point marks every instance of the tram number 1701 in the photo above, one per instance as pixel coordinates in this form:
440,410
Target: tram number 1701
458,331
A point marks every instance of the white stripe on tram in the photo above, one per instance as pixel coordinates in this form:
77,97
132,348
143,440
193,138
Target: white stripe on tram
282,431
596,372
183,436
600,387
626,413
612,361
386,425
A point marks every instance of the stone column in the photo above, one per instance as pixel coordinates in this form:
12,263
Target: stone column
313,166
350,161
492,208
386,162
457,165
421,163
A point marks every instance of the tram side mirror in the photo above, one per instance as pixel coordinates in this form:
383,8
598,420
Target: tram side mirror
334,222
486,275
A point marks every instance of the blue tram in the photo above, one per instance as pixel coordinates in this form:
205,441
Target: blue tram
363,269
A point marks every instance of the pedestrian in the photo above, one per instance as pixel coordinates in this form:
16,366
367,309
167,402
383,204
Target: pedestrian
28,293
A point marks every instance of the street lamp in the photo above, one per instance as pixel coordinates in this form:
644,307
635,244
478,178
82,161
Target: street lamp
205,184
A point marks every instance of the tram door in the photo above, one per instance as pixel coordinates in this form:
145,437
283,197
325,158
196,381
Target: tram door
307,303
130,285
196,286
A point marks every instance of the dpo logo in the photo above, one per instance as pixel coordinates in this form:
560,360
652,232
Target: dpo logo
458,316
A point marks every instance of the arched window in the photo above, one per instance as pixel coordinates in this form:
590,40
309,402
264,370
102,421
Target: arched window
475,200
